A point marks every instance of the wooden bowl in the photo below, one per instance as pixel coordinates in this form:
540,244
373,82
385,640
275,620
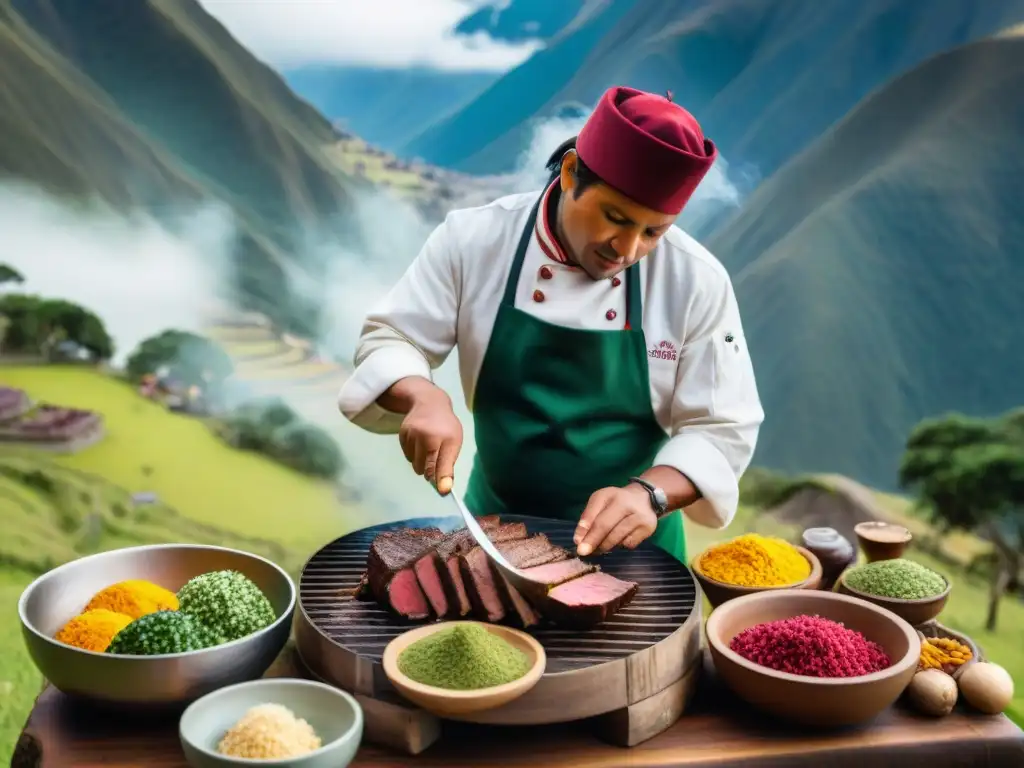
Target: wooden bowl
882,550
916,612
935,629
718,591
444,702
814,701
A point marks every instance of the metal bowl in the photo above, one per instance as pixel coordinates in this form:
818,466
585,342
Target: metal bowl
167,680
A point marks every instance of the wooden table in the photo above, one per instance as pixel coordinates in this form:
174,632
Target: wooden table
717,731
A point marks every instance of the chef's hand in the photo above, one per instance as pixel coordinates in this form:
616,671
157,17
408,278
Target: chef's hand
613,517
431,438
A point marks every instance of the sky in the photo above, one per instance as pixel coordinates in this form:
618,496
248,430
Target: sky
373,33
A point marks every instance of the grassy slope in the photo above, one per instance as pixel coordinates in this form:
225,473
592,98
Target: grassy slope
879,283
192,470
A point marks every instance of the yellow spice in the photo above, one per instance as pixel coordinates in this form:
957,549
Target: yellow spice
134,598
752,560
93,630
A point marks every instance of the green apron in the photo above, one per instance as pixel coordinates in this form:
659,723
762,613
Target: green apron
562,412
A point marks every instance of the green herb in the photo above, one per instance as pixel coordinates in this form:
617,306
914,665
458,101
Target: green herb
898,578
161,632
227,603
464,657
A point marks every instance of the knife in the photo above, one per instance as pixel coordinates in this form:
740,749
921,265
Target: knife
535,592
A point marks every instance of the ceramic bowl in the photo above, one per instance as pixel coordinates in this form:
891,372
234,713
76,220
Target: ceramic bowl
444,702
882,550
166,681
335,716
813,701
719,592
915,612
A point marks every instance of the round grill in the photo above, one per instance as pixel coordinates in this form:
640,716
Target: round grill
663,602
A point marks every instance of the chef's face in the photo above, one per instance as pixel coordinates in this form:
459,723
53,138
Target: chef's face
605,231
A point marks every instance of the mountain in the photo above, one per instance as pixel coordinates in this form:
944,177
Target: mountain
765,77
152,104
390,107
879,272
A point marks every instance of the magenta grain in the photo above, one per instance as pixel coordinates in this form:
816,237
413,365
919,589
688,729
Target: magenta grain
811,646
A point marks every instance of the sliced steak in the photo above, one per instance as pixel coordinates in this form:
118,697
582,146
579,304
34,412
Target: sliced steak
560,571
459,543
507,532
480,585
536,550
589,600
516,603
524,553
392,573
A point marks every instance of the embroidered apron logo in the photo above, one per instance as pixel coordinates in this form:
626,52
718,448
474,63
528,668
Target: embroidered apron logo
665,350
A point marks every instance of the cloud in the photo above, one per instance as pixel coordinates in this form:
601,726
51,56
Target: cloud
373,33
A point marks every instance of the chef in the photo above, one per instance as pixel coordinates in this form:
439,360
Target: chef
600,347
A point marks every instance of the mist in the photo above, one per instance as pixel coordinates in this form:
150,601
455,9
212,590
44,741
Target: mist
138,277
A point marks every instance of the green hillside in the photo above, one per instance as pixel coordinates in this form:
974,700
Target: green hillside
879,274
165,109
149,449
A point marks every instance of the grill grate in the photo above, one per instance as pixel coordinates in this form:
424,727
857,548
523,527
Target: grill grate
662,604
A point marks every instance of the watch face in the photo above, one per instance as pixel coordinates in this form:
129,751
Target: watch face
660,497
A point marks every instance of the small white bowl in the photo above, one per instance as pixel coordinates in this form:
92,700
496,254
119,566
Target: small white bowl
335,716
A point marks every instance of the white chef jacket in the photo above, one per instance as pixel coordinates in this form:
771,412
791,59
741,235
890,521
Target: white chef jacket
703,391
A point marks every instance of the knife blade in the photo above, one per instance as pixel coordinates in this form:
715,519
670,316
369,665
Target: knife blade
535,592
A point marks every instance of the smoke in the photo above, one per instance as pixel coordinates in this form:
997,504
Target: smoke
138,276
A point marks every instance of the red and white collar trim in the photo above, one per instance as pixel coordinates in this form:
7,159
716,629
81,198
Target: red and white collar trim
545,230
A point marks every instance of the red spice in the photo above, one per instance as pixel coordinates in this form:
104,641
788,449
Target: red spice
812,646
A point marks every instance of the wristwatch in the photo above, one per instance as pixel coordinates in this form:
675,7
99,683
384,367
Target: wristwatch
659,501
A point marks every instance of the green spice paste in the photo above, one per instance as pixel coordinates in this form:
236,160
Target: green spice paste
463,657
899,578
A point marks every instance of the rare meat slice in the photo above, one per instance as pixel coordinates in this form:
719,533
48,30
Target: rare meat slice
391,570
480,585
524,553
560,571
459,543
588,600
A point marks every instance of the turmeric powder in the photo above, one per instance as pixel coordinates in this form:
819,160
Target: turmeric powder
93,630
752,560
943,653
135,598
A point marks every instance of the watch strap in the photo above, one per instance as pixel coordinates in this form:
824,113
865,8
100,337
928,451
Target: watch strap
660,508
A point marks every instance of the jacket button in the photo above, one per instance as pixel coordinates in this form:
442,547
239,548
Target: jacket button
538,296
546,273
611,314
616,282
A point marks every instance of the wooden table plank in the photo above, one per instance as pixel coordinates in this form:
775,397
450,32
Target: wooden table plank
718,731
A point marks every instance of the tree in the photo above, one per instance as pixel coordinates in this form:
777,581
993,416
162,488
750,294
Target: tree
9,274
969,473
192,360
35,321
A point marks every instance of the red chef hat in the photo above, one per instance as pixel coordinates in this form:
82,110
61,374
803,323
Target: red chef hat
650,149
